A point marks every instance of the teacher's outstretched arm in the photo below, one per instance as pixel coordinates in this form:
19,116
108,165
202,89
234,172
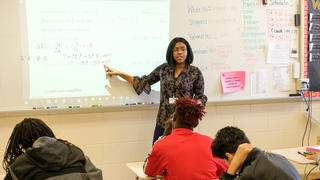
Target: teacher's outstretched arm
112,72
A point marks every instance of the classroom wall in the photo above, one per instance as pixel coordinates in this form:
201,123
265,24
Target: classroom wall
111,139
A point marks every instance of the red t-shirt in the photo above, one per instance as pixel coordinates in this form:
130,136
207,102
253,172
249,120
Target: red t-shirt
184,155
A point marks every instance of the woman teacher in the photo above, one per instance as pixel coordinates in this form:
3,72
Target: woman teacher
177,78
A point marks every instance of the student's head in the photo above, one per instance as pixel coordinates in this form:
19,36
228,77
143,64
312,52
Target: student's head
188,113
227,141
179,51
22,137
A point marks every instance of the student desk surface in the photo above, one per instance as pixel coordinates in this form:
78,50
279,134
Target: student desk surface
137,169
293,155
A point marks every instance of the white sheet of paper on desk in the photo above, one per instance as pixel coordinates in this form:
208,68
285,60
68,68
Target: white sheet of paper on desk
281,78
259,82
278,53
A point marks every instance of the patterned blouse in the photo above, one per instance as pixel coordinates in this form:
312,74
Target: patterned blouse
189,83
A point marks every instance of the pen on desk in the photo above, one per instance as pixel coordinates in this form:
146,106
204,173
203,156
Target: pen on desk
301,153
305,154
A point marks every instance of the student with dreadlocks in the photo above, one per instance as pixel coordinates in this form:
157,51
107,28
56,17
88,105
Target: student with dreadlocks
33,153
184,154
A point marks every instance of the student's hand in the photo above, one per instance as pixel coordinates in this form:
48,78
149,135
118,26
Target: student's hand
239,157
243,150
110,71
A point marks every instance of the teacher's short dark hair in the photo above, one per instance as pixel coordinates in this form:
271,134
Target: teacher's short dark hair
171,45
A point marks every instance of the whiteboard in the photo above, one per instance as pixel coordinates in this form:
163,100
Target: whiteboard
235,36
225,36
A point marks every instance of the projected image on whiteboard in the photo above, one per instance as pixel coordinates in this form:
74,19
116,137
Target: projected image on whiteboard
69,41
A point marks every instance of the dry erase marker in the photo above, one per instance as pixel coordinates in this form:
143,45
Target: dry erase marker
96,105
130,104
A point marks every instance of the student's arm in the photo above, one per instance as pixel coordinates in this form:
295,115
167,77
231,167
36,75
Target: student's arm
239,157
112,72
91,171
153,165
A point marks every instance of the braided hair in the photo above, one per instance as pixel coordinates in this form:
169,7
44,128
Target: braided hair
189,111
22,137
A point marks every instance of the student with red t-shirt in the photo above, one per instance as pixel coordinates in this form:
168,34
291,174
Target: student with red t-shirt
185,154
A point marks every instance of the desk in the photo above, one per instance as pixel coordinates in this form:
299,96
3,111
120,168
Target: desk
292,155
137,169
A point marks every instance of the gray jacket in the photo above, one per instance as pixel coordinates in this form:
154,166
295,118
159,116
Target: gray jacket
52,159
261,165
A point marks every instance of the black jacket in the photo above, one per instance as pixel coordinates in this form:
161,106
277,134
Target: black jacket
260,165
52,159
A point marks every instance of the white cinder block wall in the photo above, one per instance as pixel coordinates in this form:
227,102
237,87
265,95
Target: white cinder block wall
112,139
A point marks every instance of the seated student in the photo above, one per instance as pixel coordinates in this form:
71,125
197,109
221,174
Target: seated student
34,153
248,162
184,154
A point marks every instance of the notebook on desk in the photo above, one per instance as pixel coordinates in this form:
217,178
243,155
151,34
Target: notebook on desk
313,148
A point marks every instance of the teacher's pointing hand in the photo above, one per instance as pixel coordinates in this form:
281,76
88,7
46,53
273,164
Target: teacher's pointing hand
110,72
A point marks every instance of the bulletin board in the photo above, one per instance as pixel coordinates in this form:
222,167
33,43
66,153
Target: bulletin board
311,59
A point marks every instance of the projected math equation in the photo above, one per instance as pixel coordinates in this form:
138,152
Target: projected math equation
67,53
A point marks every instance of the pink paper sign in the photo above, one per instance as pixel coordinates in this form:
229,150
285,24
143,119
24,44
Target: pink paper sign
232,81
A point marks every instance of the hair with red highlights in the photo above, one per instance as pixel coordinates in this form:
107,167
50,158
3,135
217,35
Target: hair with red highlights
189,110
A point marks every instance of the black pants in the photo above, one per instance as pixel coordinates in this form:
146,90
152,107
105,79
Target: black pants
158,131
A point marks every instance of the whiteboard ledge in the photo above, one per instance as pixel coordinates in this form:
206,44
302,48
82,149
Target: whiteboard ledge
142,107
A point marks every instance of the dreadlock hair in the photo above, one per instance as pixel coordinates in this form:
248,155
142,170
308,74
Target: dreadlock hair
22,137
189,111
